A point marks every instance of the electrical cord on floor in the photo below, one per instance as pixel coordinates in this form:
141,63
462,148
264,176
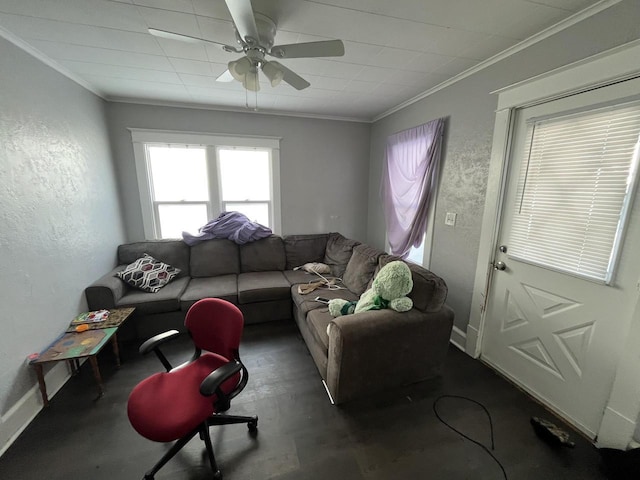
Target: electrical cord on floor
435,410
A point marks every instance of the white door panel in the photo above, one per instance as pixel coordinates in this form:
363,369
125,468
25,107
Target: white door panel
554,338
557,335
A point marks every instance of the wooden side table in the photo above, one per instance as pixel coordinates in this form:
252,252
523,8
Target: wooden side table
73,346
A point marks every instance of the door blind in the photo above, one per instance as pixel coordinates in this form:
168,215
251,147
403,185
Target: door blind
575,188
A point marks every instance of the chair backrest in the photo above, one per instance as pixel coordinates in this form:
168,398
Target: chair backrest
215,326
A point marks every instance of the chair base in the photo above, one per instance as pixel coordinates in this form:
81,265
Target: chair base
216,476
223,419
203,431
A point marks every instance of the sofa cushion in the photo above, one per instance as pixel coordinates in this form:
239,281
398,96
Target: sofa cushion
360,268
300,276
262,287
148,274
301,249
173,252
382,261
338,253
263,255
429,290
166,300
222,286
306,303
214,257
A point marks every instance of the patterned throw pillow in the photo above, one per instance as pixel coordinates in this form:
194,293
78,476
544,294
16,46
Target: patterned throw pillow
148,274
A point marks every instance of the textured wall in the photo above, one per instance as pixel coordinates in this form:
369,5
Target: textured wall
323,163
470,110
59,210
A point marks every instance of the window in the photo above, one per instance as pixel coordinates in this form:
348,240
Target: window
188,179
416,254
179,188
408,186
245,182
576,183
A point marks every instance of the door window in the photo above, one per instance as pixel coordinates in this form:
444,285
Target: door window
577,178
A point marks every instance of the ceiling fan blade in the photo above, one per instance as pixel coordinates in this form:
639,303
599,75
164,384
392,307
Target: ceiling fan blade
242,15
225,77
292,78
185,38
327,48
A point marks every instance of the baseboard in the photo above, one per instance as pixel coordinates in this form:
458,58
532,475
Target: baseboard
472,347
458,338
20,415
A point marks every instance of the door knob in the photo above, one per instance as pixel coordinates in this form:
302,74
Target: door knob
499,266
503,248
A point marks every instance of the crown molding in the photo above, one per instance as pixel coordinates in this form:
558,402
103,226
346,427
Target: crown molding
34,52
532,40
218,108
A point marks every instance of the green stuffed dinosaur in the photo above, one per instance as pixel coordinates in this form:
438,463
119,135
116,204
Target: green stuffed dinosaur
389,290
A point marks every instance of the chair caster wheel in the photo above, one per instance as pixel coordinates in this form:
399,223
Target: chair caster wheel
253,426
217,475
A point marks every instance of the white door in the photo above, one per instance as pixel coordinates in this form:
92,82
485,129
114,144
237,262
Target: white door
555,333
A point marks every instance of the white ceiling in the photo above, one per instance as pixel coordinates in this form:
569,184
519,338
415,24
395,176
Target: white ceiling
395,50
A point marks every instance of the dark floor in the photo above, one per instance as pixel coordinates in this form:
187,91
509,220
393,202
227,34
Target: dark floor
301,435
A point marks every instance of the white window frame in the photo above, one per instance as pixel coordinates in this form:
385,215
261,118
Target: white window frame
143,137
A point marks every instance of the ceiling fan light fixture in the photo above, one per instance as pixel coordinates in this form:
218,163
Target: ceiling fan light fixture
251,80
273,73
239,68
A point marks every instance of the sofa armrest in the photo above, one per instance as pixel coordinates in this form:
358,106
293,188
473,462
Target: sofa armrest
375,350
106,291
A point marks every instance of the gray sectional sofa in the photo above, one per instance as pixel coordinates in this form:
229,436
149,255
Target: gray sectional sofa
357,355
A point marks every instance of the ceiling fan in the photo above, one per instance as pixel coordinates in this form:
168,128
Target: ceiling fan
255,34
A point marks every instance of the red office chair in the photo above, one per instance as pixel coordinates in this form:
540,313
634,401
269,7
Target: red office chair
186,400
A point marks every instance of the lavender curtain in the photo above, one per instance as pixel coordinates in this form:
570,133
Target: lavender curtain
408,182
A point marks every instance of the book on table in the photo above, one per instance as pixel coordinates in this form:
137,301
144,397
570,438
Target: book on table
91,317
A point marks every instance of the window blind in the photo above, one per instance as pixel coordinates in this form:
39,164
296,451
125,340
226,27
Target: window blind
574,191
